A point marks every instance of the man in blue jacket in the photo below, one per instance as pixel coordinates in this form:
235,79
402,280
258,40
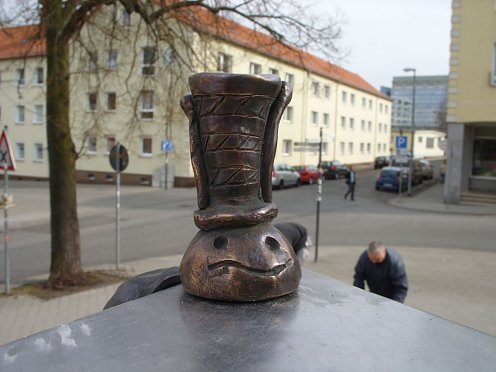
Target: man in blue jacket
383,270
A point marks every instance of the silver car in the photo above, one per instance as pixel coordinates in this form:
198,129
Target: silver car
284,175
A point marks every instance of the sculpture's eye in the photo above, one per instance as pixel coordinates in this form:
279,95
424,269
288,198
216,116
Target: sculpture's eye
220,242
272,243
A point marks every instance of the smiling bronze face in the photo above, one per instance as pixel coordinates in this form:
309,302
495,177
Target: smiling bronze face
243,264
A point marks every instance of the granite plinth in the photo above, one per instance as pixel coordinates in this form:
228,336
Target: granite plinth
326,325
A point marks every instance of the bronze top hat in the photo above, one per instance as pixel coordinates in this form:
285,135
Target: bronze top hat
239,255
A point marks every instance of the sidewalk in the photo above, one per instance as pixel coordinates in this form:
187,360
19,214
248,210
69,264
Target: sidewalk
431,200
454,284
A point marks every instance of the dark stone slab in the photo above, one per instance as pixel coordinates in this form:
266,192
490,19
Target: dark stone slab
325,326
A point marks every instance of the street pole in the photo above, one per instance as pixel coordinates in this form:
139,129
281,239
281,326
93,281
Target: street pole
412,130
6,226
117,207
319,199
320,148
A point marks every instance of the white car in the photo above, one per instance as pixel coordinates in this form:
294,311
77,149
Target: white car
284,175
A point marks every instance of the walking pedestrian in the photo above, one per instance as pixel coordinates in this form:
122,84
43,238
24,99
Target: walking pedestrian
350,181
384,271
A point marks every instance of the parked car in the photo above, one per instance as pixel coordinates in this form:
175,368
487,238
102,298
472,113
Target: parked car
381,161
332,170
389,179
426,169
308,173
284,175
403,162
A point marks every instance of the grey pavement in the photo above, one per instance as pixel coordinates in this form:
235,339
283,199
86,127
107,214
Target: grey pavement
452,283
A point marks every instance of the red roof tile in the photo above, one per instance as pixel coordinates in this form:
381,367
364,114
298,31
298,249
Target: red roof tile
21,42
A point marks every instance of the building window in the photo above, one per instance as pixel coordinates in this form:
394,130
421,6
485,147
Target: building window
39,76
315,88
352,124
20,78
290,79
386,108
370,104
362,147
341,148
38,151
352,99
368,148
327,91
149,57
343,122
112,59
92,101
362,125
378,147
325,119
147,107
380,107
380,127
110,143
364,102
314,118
429,143
20,114
325,148
288,115
369,126
343,97
287,147
419,139
146,146
126,18
111,103
20,152
224,62
273,71
91,145
350,148
484,159
384,147
385,127
38,114
92,60
255,68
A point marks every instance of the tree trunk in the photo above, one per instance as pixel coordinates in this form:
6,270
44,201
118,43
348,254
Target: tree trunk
65,243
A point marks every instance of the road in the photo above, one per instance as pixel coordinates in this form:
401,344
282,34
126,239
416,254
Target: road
159,222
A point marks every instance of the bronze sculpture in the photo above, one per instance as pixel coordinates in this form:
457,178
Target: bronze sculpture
237,255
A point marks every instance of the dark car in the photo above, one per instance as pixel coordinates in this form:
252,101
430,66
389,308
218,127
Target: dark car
332,170
381,161
308,173
426,168
403,162
389,179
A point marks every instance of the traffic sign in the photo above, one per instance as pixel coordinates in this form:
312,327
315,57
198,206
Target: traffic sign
119,161
6,156
401,142
167,146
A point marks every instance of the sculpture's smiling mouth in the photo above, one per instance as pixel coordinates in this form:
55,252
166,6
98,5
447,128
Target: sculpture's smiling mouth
226,264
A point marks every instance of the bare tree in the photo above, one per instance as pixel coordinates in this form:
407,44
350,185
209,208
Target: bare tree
64,23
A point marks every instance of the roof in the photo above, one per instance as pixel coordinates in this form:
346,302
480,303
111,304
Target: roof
235,33
22,41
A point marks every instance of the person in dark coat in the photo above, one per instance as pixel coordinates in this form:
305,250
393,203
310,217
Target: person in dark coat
384,271
351,182
297,235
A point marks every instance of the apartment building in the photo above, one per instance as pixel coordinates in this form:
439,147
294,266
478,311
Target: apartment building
126,89
471,116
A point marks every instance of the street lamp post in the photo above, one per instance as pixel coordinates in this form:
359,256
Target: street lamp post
412,130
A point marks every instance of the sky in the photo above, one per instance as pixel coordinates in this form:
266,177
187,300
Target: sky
382,37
